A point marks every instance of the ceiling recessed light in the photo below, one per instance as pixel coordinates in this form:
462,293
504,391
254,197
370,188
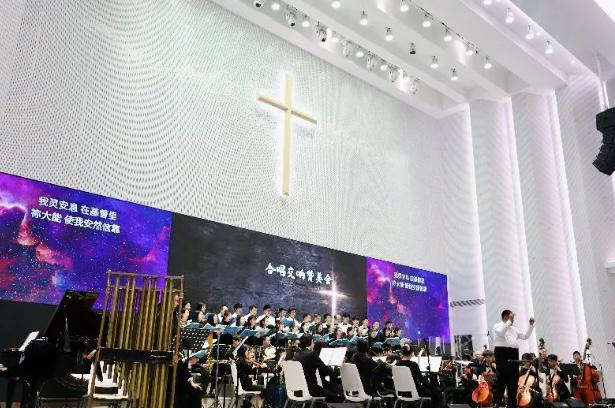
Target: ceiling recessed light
548,48
448,36
469,50
434,62
275,5
359,53
389,34
487,2
306,21
488,64
530,33
454,76
427,20
510,17
363,21
404,6
336,4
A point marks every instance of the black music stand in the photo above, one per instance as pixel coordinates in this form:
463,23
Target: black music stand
195,339
216,403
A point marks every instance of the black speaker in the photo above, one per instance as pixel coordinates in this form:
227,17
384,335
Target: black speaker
605,123
575,403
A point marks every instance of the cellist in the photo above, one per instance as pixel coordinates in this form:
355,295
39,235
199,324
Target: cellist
483,393
557,379
529,393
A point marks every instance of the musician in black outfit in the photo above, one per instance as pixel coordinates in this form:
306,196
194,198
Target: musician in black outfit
375,376
422,386
310,361
188,391
245,368
555,370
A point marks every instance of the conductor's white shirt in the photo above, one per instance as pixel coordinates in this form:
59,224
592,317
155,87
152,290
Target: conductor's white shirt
506,335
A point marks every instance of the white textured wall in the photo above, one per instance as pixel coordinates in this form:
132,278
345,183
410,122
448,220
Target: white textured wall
593,215
551,258
154,102
500,207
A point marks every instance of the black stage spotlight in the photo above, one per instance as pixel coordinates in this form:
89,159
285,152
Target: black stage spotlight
259,3
605,123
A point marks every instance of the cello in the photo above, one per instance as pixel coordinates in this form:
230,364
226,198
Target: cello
483,393
528,384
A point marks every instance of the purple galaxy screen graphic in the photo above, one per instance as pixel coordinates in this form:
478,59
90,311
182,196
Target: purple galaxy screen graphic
413,299
54,238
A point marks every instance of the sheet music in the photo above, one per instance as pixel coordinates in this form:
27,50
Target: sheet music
423,363
333,356
28,340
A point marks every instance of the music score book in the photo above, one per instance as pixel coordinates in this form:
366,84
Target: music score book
333,356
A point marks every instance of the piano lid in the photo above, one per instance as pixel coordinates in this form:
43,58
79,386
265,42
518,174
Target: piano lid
76,308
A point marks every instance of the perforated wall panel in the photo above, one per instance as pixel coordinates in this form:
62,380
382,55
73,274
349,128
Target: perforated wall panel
154,102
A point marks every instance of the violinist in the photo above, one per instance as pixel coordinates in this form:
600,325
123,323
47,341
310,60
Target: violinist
246,366
375,376
557,379
487,365
478,363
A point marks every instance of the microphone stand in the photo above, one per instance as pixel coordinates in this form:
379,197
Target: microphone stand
426,343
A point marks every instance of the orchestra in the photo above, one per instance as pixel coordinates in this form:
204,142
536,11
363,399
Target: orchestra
277,336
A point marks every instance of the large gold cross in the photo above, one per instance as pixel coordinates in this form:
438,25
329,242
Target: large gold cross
289,111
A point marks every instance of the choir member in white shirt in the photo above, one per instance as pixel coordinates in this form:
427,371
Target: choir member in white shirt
505,340
252,310
267,316
223,309
237,312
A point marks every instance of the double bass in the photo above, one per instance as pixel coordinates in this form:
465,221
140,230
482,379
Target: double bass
587,387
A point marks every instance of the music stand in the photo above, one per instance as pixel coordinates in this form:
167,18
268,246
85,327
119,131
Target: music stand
216,402
194,338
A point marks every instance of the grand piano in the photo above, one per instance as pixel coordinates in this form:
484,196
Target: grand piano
44,363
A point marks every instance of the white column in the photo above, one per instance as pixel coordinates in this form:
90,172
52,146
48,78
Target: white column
550,240
461,230
500,211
